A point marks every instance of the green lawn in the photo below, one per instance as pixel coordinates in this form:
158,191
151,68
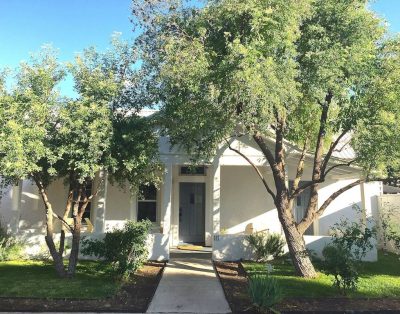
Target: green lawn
38,280
378,279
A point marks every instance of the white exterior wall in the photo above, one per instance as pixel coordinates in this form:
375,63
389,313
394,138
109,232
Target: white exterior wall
244,201
118,207
344,205
235,198
6,206
234,247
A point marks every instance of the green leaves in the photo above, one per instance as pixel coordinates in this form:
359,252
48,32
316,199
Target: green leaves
376,140
27,118
251,63
46,136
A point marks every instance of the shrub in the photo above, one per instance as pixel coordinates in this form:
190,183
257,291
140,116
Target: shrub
266,245
351,240
340,263
264,291
125,249
355,236
390,231
10,248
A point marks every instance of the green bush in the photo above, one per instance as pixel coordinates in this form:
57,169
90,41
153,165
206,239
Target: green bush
390,231
125,249
266,245
264,291
10,248
340,263
355,236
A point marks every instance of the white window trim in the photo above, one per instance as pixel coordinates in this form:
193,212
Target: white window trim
138,200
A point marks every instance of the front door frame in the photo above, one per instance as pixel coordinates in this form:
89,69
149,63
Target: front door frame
185,213
177,179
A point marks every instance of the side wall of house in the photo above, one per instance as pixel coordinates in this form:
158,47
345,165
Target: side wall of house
245,202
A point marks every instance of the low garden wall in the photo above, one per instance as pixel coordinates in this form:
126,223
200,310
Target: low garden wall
158,246
232,247
35,246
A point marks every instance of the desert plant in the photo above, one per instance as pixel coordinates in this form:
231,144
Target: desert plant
10,247
264,291
125,249
266,245
340,263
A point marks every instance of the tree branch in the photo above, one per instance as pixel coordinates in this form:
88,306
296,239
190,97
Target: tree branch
279,153
63,221
255,168
279,176
300,167
330,199
307,221
331,149
339,165
306,185
321,136
45,198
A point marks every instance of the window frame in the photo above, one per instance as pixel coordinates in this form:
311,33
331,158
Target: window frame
155,201
299,203
88,208
181,173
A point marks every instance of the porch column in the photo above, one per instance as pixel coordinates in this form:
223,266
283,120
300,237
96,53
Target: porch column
216,194
15,207
132,207
166,202
100,222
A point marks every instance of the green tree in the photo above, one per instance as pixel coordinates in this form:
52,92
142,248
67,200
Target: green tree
311,72
45,137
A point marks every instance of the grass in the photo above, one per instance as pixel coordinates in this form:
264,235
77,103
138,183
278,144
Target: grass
377,279
35,279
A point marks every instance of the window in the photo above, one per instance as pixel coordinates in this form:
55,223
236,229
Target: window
193,171
299,210
147,203
88,208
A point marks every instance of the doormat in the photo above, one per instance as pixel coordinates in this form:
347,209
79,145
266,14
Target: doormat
190,247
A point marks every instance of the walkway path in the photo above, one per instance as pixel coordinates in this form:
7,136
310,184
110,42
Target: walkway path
189,285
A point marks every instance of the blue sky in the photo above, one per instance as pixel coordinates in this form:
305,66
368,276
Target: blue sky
71,25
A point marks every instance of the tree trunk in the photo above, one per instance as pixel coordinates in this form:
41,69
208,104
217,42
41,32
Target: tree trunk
295,241
49,238
73,257
57,258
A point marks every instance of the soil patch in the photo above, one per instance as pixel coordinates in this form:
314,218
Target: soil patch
234,282
132,297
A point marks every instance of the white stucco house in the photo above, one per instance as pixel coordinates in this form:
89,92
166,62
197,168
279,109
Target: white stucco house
215,206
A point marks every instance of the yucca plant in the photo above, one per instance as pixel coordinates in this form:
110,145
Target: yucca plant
266,245
264,291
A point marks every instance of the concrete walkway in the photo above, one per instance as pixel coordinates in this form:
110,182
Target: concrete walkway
189,285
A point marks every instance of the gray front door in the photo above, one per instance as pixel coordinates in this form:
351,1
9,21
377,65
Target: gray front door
192,212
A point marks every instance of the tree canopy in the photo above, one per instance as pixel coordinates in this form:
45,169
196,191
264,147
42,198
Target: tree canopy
312,72
45,137
250,63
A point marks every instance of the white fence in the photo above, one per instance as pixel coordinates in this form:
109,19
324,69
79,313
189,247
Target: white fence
389,210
